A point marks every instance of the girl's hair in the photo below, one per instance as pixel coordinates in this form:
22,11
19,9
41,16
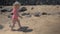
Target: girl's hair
16,3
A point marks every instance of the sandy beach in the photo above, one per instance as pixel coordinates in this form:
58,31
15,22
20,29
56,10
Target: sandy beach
45,24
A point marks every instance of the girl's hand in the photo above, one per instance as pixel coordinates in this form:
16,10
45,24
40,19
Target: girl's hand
20,17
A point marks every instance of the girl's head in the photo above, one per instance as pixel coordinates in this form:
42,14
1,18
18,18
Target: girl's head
16,5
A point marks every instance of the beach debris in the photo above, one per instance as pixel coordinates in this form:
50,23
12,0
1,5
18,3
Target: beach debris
23,9
26,14
32,8
44,13
37,14
1,27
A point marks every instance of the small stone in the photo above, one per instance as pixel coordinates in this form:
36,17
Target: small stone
23,9
44,13
1,27
37,14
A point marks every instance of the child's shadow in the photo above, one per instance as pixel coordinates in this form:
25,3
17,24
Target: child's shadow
25,29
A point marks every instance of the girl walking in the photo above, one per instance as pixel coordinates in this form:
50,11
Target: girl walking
15,15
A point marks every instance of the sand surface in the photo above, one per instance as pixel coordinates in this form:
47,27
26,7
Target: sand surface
45,24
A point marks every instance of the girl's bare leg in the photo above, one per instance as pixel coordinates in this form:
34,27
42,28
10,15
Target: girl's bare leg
18,22
14,21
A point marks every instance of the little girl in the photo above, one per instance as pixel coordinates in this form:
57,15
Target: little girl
15,15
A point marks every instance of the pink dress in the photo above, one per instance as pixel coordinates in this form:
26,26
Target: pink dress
14,16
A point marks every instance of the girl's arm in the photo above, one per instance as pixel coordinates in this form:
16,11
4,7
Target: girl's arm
19,15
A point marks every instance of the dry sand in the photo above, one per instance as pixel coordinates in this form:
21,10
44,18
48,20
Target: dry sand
45,24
